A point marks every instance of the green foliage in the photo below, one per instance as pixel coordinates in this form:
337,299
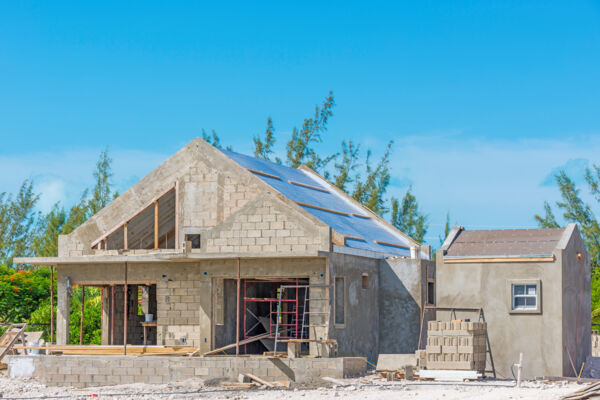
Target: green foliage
263,148
212,139
371,191
101,195
299,148
346,167
548,220
91,316
575,210
17,222
21,292
408,218
447,228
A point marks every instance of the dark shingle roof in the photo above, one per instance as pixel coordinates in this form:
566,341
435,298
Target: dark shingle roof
513,242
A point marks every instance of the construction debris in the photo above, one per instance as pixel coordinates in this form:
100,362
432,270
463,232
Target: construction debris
589,392
14,334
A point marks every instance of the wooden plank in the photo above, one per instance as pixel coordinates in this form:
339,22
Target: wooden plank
259,380
156,225
497,260
322,208
320,189
231,346
449,375
255,171
125,244
391,244
118,226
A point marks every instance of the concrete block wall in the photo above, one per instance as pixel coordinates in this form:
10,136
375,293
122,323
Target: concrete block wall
456,345
178,310
267,225
595,345
88,371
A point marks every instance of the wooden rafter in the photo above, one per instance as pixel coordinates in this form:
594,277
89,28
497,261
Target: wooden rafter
120,224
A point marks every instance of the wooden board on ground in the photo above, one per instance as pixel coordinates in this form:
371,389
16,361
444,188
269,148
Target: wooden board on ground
259,380
231,346
449,375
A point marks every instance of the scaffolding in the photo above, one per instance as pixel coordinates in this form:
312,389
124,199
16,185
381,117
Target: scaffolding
291,310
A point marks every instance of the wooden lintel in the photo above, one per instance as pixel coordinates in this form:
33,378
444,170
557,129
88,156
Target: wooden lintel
125,243
156,224
497,260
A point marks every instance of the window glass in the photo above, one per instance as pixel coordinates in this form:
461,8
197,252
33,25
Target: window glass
524,297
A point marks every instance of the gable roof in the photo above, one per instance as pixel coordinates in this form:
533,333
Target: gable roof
503,242
361,228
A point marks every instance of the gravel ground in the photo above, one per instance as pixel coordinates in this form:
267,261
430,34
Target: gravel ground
363,389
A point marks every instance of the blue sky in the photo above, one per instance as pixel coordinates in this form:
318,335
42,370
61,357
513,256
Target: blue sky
483,99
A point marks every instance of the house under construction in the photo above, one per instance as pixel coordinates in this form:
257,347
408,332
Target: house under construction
221,247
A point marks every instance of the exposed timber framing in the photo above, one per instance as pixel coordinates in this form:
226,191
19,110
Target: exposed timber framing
156,225
120,224
322,208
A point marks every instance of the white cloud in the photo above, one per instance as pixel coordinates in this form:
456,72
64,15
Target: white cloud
63,175
484,183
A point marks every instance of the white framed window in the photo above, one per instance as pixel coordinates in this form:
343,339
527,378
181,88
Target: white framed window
525,296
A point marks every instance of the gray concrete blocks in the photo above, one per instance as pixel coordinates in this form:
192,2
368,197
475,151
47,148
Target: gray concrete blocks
73,370
456,345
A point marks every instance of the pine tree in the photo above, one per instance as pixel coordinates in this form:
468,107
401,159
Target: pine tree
408,218
447,228
18,219
346,167
213,139
299,148
102,193
263,148
371,191
575,210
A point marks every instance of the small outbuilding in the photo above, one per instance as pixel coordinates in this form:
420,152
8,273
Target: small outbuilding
534,288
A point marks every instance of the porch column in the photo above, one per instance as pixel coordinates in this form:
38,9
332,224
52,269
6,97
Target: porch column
62,309
106,315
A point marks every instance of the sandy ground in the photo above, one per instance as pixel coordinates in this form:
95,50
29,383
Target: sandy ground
354,389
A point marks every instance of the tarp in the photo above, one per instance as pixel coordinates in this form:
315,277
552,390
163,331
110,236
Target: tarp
368,229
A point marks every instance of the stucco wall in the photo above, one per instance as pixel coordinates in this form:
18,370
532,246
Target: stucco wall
488,285
576,304
359,336
402,293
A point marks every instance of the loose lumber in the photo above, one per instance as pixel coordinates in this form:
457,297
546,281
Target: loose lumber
111,350
8,340
259,380
231,346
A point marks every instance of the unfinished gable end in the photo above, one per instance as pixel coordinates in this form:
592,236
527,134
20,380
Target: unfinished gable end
208,186
267,224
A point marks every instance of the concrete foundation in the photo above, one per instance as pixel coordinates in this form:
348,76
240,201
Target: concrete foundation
87,371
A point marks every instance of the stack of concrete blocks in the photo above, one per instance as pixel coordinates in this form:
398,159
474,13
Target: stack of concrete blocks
456,345
595,345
